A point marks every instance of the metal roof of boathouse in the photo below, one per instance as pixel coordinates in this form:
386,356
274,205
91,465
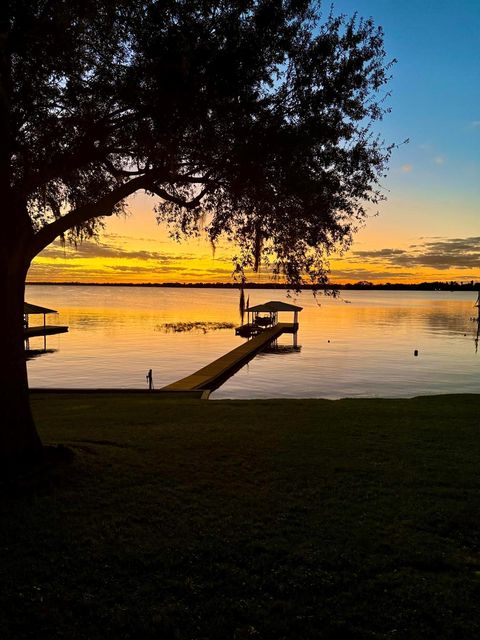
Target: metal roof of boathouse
273,306
32,309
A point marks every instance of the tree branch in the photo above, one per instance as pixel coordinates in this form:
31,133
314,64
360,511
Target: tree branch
84,154
188,204
105,206
118,172
102,207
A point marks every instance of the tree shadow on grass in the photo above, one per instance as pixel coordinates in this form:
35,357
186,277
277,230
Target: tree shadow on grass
24,478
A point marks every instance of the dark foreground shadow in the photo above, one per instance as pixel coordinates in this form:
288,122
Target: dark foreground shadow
23,477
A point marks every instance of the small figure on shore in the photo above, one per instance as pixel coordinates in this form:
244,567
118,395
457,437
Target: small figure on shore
149,377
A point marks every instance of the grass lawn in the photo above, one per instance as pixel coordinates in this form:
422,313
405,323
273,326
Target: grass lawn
292,519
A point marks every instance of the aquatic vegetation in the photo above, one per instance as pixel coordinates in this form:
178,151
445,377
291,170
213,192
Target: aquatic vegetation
177,327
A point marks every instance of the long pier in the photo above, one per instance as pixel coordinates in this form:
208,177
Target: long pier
209,378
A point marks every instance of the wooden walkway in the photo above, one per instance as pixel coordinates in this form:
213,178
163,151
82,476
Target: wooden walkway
214,374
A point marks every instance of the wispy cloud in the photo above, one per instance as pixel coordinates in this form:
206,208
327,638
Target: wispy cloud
369,274
442,254
103,250
432,154
137,270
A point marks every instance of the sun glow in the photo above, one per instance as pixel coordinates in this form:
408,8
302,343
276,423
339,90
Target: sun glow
415,238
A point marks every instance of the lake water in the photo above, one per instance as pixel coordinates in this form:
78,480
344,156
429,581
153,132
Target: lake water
359,345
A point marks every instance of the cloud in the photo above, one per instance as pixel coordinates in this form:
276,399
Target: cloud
197,272
379,254
442,254
433,154
475,124
368,274
136,270
119,238
102,250
407,168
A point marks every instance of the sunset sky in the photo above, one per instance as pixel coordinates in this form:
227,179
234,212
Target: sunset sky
428,229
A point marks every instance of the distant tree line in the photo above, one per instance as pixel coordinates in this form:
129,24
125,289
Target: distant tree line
451,285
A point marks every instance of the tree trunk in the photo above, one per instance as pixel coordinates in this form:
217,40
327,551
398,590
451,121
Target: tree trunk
19,441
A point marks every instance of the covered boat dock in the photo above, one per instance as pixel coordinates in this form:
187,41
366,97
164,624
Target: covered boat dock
39,329
262,316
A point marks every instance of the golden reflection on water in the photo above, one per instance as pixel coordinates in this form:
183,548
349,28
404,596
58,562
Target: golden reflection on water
361,348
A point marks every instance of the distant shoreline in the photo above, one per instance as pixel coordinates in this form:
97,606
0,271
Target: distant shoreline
423,286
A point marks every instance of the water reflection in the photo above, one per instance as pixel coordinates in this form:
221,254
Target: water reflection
363,348
35,353
477,320
437,318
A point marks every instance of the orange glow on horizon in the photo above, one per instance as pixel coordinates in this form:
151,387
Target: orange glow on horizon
136,250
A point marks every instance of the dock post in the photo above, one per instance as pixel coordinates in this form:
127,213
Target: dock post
295,329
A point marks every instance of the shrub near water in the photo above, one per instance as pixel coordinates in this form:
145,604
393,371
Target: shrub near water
248,519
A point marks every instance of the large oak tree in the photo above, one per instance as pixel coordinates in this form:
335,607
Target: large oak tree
255,116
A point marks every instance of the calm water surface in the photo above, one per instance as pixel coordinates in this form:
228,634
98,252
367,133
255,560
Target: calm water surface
361,344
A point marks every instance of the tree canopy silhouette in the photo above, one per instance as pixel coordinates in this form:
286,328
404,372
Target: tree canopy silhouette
252,117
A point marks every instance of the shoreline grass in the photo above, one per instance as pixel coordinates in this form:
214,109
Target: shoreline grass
240,519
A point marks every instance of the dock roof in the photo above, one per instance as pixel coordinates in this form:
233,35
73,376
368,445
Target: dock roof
31,309
274,305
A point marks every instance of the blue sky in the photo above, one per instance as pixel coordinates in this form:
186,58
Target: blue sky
435,88
433,185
